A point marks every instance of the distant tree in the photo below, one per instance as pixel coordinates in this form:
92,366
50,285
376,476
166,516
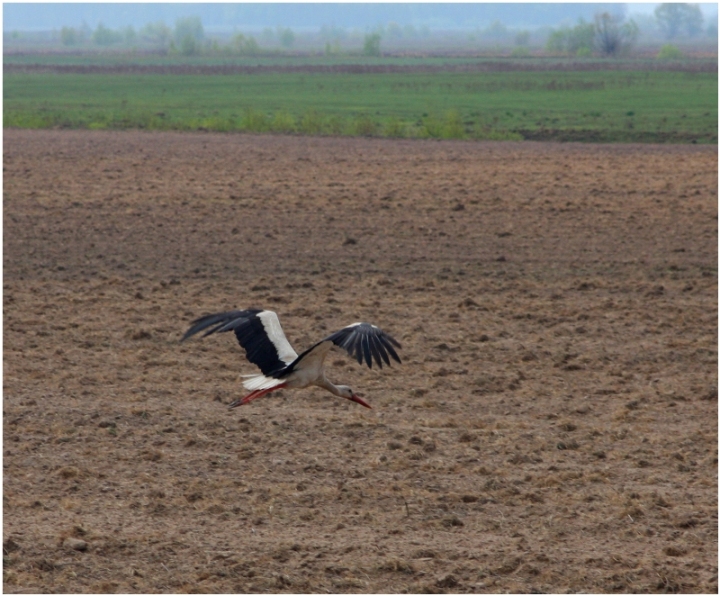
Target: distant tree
496,30
189,26
156,33
85,31
557,40
286,37
612,36
267,35
394,31
103,36
130,35
581,37
371,47
69,36
522,38
252,46
245,45
188,35
189,46
677,18
577,40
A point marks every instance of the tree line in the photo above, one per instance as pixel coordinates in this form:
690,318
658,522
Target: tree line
608,34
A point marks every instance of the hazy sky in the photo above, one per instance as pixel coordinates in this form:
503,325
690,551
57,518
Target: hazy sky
649,7
34,16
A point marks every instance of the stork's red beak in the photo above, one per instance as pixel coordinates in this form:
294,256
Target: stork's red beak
360,401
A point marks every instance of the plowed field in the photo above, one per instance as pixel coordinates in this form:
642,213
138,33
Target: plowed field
553,426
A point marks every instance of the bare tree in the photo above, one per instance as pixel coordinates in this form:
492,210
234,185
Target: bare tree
612,36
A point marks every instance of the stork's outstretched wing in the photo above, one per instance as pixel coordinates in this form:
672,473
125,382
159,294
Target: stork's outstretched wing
258,332
365,340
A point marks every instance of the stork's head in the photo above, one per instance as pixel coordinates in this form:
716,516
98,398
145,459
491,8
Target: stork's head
348,393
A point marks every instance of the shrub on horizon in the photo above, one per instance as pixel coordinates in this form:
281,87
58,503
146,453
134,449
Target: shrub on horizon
283,122
364,126
669,52
394,128
254,121
371,47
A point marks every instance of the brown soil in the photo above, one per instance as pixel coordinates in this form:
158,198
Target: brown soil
553,426
507,65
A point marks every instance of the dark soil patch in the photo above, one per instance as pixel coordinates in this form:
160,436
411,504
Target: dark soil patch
599,136
509,65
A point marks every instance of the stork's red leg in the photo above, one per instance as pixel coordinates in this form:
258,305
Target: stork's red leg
254,395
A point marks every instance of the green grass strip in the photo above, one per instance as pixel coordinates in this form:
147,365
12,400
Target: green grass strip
593,106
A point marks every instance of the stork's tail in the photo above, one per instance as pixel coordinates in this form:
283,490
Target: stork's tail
256,382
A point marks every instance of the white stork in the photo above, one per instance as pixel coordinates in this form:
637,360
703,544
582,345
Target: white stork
265,344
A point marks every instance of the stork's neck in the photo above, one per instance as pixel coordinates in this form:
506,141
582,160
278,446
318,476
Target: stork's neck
325,384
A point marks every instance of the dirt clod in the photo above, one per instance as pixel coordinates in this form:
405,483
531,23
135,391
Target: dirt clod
75,544
446,581
9,546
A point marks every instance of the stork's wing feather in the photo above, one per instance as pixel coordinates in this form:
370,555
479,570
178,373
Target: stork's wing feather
257,331
362,340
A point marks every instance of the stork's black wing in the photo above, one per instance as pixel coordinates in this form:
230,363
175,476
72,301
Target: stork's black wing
257,331
362,340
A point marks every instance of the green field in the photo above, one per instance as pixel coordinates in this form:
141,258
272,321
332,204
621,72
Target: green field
611,105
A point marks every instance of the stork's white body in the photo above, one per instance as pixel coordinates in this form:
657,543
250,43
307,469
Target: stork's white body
310,371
